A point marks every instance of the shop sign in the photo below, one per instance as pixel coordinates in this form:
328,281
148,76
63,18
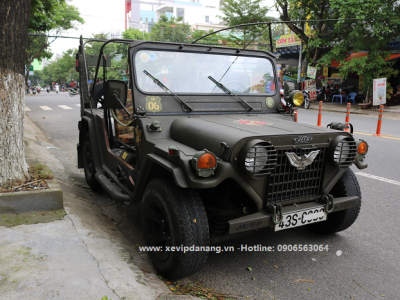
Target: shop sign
337,75
325,72
361,82
379,95
311,72
311,87
287,40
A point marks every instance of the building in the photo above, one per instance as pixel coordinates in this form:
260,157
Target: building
200,14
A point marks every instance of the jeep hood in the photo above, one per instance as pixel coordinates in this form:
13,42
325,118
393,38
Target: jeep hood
209,131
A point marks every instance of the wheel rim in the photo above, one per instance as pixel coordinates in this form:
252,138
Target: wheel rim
157,229
89,160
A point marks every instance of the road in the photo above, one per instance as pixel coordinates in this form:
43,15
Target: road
361,262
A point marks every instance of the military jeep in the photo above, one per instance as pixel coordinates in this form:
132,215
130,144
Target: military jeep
198,136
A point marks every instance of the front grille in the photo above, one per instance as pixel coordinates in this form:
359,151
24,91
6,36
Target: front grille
286,183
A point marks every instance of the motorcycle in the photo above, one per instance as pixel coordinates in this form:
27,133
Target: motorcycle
57,89
38,90
73,92
324,95
34,91
306,102
48,90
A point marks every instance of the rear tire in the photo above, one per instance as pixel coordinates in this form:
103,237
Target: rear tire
343,219
172,216
88,164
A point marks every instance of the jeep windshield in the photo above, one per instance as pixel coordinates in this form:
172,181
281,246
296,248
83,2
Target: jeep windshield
188,72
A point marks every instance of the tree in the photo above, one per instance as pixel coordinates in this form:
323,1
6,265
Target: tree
170,30
378,23
62,17
14,25
61,70
238,12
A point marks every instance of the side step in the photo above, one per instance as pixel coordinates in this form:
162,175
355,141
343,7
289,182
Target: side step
111,189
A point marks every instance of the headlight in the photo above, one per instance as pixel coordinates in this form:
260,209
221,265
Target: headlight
258,158
298,98
344,151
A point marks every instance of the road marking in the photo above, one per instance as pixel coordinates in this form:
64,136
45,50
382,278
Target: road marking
27,108
77,104
45,108
386,137
378,178
64,107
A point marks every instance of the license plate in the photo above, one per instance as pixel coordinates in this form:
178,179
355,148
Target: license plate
301,217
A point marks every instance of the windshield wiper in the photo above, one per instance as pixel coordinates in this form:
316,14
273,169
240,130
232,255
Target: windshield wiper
164,88
226,90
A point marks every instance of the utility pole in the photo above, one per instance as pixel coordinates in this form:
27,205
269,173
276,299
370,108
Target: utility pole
300,59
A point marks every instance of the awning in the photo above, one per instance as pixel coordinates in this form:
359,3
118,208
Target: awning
335,64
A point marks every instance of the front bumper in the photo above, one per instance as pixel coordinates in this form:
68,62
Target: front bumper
264,219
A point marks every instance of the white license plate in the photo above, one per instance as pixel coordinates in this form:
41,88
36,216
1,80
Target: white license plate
301,217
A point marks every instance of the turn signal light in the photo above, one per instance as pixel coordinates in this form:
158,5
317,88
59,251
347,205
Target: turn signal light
206,161
362,148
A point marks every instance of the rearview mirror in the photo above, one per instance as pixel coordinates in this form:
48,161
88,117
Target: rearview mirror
116,94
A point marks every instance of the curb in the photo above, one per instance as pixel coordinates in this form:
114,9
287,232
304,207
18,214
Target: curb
19,202
341,111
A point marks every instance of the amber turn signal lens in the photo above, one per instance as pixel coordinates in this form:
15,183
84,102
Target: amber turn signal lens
206,161
362,148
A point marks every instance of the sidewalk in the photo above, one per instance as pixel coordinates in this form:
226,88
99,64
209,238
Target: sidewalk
390,112
72,257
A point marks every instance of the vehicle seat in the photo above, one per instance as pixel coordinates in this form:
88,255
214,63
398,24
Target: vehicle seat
125,134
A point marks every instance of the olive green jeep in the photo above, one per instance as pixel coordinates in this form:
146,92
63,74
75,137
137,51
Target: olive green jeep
199,137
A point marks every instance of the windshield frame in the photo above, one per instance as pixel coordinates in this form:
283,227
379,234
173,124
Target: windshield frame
202,50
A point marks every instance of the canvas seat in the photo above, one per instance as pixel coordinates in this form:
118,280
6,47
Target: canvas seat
125,134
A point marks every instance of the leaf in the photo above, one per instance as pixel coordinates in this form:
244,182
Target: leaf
194,220
309,289
276,267
253,278
250,269
25,260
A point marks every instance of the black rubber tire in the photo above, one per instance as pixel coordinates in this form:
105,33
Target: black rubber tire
343,219
177,217
88,164
98,94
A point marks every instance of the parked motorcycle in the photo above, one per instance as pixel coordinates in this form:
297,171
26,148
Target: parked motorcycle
306,103
324,95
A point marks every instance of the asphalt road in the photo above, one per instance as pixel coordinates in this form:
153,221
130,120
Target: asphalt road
362,262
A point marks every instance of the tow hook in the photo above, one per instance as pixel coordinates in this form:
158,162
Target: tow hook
276,210
328,201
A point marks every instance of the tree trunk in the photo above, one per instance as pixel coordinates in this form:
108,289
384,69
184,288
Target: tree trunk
13,35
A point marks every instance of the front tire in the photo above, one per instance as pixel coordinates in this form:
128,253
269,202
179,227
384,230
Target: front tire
88,164
172,216
306,103
343,219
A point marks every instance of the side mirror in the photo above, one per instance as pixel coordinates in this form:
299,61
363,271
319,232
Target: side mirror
115,94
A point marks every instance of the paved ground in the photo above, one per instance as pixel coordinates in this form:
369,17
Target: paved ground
360,262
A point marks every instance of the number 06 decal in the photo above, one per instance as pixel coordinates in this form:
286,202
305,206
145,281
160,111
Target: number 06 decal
153,104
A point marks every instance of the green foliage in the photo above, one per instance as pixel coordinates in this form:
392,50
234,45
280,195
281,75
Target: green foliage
238,12
61,70
48,17
170,30
378,24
